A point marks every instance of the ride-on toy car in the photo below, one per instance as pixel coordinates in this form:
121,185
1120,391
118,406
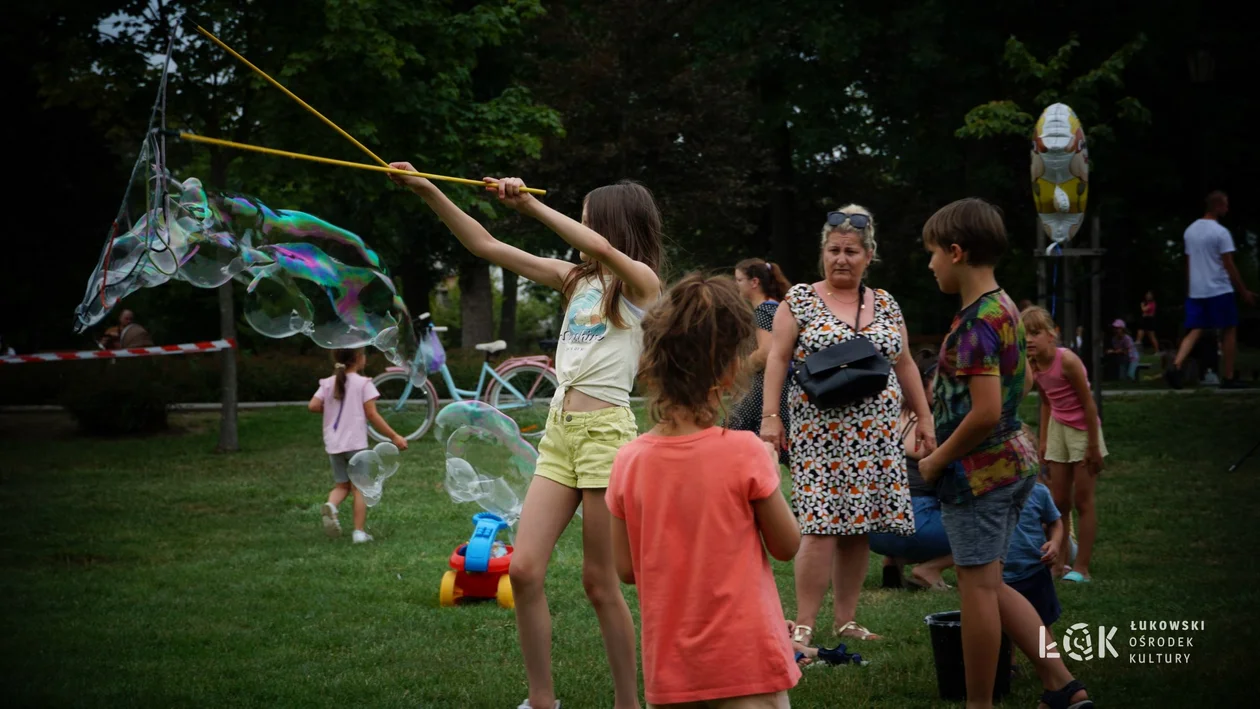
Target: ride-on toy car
475,570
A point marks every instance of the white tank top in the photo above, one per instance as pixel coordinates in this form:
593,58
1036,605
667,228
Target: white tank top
592,356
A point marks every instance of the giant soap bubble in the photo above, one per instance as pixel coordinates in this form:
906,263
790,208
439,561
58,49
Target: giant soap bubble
302,274
487,461
369,469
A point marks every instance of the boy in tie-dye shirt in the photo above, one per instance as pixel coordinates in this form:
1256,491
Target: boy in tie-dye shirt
985,465
986,339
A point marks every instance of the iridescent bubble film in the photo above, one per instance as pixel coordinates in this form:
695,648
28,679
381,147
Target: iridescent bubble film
369,470
487,461
302,274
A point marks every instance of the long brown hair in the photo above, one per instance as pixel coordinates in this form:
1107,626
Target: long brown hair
626,215
774,285
694,338
342,361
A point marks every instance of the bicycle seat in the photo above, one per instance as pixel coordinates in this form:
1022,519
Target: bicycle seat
491,347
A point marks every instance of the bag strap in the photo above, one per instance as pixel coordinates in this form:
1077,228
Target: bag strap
857,321
905,430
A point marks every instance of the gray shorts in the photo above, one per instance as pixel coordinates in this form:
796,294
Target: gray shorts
341,466
979,529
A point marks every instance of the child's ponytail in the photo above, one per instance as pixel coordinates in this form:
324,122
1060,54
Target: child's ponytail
342,360
694,339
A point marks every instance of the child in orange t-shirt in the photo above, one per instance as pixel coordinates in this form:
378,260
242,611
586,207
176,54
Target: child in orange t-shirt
692,504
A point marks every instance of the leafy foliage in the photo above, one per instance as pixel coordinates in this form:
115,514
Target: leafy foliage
1005,117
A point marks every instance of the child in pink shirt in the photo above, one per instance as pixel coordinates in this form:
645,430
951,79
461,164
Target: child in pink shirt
692,504
347,401
1072,441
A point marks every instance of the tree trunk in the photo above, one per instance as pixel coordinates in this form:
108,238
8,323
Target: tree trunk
228,441
507,314
786,249
476,304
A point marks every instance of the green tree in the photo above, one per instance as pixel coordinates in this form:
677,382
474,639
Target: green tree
400,75
1047,83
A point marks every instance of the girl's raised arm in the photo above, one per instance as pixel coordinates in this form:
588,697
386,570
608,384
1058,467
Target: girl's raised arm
481,243
642,283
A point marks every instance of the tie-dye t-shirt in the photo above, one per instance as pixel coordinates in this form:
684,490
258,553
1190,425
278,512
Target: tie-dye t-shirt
986,339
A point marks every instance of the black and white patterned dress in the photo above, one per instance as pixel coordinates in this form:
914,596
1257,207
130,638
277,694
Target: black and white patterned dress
747,411
848,469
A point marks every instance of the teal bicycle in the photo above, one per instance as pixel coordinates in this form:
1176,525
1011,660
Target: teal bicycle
521,387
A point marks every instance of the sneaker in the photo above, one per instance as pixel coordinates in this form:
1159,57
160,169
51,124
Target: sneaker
361,536
1234,383
526,705
1173,377
332,526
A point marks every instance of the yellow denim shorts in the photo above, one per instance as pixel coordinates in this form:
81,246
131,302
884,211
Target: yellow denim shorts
578,448
1065,444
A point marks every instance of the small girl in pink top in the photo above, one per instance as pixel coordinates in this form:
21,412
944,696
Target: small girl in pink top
347,401
692,505
1071,435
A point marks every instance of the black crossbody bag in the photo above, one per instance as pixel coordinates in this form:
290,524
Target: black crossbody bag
847,371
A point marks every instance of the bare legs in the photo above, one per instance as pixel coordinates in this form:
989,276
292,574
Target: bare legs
338,495
853,557
989,607
929,572
1071,485
812,569
547,510
1083,498
603,589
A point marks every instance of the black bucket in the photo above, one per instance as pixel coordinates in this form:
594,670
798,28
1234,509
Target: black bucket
951,679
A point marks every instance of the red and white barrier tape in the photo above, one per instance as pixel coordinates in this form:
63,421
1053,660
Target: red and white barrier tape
187,348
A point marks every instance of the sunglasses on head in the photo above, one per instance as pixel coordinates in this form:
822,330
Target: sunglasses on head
857,221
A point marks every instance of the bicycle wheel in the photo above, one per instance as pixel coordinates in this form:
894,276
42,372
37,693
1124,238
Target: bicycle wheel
410,418
536,386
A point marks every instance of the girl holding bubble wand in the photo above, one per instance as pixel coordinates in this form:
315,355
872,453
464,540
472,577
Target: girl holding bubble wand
619,239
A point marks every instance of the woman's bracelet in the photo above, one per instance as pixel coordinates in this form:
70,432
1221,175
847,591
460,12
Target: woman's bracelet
769,416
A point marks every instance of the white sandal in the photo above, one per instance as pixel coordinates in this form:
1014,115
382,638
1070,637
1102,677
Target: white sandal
859,633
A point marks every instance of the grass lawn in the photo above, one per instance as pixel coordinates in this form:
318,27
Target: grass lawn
153,572
1246,367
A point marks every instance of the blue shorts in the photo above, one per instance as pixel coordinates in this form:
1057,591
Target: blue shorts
1214,313
1039,590
929,540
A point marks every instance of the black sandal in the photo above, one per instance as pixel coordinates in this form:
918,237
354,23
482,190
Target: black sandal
1062,698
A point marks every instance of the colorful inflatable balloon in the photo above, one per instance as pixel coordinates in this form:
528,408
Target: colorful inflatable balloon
1060,172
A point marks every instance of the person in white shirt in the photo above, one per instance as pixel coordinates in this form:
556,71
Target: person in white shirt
1213,280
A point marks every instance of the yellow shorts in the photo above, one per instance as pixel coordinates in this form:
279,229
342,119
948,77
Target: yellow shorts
578,448
1065,444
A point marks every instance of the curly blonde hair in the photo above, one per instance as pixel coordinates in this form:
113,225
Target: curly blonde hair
695,341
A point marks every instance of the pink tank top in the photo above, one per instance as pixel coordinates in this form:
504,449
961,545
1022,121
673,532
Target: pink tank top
1065,406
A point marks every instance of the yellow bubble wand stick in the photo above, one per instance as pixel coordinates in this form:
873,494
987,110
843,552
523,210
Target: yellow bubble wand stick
384,166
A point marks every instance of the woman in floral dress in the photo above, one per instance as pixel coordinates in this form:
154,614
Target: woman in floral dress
848,471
